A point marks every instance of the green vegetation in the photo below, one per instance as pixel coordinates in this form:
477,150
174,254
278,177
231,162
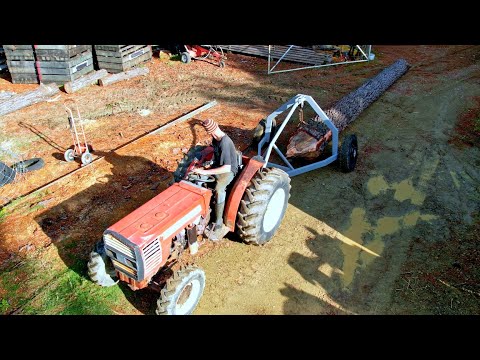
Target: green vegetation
68,292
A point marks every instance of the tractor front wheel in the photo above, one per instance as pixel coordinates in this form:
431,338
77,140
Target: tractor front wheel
182,292
263,206
100,268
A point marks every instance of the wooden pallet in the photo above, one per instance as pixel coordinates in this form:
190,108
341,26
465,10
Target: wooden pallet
64,71
59,52
296,54
119,58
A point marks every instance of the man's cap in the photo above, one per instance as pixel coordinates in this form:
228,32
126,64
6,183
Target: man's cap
210,126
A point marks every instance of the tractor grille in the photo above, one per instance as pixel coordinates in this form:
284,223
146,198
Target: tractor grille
122,256
127,270
153,256
118,245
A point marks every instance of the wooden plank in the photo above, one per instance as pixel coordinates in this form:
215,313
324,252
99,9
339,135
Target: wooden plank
21,64
60,55
116,68
67,70
123,76
184,117
108,47
20,57
117,56
65,78
25,80
22,70
66,64
18,47
22,54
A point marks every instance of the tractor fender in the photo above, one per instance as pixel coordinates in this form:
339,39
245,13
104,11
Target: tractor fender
251,167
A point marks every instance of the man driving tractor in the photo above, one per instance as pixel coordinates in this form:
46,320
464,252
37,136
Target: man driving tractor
224,168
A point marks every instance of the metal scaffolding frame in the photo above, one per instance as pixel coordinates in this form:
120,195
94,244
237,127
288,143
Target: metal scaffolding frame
365,57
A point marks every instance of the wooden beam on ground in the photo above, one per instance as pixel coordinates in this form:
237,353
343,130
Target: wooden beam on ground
123,76
84,81
185,117
16,102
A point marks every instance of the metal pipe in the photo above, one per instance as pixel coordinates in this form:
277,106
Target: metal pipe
282,156
281,58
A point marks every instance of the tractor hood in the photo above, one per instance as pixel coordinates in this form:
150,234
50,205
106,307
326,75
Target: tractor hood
165,215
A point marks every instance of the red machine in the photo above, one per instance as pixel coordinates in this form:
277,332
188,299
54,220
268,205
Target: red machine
146,244
197,52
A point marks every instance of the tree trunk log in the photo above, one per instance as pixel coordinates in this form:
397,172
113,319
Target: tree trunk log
123,76
15,102
310,138
4,95
84,81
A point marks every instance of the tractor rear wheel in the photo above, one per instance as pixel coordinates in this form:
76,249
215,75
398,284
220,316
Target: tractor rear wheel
100,268
182,292
263,206
348,153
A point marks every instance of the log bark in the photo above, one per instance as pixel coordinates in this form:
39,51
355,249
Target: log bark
123,76
310,138
84,81
5,95
15,102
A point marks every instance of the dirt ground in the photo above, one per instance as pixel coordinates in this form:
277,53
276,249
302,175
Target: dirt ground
399,235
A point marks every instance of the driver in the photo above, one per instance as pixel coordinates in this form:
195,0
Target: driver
224,168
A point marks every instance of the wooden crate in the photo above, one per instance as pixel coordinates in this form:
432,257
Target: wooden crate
59,52
119,58
21,63
67,70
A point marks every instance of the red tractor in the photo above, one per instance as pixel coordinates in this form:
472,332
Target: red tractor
143,248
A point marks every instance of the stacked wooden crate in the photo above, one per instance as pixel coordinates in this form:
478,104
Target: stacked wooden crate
119,58
63,63
21,63
297,54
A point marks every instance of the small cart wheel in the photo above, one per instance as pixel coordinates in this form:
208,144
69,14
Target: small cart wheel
86,158
185,57
221,64
69,155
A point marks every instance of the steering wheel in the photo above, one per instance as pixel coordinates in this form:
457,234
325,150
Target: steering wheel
203,178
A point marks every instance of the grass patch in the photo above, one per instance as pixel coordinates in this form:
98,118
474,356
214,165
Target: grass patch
48,291
73,294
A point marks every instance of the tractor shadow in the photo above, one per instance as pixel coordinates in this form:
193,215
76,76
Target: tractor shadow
76,224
